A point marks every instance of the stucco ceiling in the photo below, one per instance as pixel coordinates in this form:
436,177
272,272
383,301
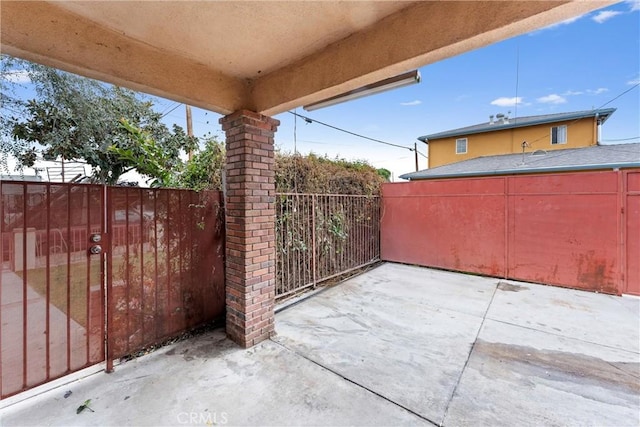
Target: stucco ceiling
265,56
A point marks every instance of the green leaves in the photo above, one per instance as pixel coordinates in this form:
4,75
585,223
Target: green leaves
78,119
205,169
84,406
147,156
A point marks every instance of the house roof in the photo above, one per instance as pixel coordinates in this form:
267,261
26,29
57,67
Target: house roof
263,56
602,115
572,159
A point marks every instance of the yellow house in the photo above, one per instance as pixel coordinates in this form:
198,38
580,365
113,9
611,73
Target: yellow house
504,135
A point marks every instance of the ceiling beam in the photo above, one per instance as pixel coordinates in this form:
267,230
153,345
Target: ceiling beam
40,32
420,34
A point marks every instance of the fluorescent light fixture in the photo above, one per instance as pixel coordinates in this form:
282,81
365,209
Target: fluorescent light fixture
402,80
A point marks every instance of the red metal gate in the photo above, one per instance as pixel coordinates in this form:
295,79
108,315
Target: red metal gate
631,249
51,289
579,230
161,251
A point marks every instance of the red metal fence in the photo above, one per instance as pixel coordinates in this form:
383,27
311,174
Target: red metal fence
164,264
578,230
167,271
322,236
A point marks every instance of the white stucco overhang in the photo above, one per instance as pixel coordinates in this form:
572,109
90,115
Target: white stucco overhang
264,56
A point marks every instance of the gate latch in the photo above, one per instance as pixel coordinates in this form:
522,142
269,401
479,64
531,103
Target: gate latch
95,249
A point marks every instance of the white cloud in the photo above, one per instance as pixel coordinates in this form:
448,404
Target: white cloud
558,24
416,102
605,15
16,76
567,21
553,98
633,5
634,81
597,91
506,102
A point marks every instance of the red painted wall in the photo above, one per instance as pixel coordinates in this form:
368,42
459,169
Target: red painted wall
631,249
455,225
560,229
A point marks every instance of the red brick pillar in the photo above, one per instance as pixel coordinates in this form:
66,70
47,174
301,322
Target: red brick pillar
250,226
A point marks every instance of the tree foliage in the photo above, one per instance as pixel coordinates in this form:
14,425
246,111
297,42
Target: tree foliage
79,119
315,174
205,169
148,156
115,130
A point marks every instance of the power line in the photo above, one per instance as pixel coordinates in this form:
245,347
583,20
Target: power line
309,120
606,103
171,106
170,110
621,139
623,93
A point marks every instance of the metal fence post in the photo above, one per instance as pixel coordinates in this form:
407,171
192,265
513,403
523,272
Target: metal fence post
313,238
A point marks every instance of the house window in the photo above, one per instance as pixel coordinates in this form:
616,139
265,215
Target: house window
461,146
559,135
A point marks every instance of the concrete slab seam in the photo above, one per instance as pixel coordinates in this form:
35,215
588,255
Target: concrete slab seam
455,388
356,384
562,336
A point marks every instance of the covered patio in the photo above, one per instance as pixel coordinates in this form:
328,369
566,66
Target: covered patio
398,345
249,61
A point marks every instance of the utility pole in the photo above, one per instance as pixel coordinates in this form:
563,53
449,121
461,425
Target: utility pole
189,126
415,151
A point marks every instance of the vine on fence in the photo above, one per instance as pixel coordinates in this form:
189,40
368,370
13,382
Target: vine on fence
319,236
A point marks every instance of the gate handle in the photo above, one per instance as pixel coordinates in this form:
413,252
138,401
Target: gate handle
95,249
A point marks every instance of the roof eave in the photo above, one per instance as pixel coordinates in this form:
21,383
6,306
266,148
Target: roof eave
575,168
603,114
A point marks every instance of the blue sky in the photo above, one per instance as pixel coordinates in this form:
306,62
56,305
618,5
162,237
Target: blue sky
576,65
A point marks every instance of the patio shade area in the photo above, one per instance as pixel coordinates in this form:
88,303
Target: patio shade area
398,345
262,56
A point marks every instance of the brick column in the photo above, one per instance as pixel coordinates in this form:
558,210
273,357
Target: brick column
250,226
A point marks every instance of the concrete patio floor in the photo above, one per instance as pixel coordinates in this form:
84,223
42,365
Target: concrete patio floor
398,345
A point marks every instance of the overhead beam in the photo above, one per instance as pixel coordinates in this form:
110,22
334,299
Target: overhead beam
50,35
420,34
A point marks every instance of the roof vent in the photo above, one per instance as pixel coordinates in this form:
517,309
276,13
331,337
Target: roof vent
502,118
491,119
539,153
